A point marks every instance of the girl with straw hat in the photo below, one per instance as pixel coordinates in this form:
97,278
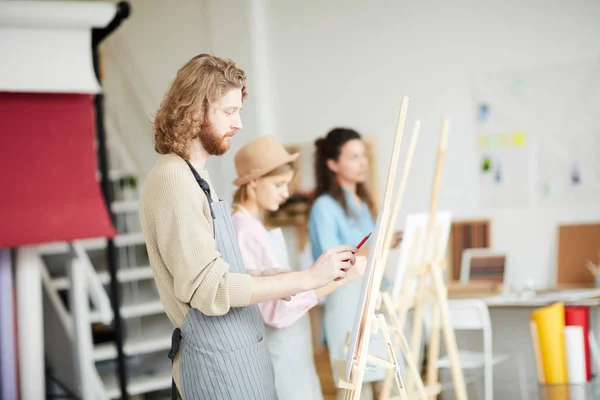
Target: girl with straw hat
264,171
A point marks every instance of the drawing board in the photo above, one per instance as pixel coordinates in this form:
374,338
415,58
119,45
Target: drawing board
415,229
365,312
366,284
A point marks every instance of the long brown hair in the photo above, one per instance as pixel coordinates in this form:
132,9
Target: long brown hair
329,148
201,81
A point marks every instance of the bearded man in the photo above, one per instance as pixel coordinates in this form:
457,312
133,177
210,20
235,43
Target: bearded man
218,351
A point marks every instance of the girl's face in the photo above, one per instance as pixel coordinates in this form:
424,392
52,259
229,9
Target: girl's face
272,191
352,166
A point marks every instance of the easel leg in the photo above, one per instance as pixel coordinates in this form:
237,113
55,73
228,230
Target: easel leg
401,314
416,337
410,362
348,394
386,388
458,379
433,353
392,354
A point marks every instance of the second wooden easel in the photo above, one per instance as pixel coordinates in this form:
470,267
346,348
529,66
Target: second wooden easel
422,285
350,373
371,320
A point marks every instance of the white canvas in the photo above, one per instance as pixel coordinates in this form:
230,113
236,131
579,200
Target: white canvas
418,223
366,284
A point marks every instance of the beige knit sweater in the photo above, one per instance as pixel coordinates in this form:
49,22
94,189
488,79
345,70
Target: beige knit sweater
178,228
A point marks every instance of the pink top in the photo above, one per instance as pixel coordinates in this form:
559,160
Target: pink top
258,254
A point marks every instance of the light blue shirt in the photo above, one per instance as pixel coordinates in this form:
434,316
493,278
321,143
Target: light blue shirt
330,226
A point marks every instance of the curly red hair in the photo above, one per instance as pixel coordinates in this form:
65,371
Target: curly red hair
201,81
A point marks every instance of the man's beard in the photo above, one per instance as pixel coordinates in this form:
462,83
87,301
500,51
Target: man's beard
214,143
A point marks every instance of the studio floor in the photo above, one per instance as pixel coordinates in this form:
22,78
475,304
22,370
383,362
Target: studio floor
325,373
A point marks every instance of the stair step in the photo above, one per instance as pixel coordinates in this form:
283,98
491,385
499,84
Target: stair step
134,310
138,385
119,207
121,240
124,275
132,347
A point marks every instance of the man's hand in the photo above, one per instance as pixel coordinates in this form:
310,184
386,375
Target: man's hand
332,265
357,271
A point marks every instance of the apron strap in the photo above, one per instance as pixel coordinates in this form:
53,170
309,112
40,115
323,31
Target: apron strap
175,340
203,185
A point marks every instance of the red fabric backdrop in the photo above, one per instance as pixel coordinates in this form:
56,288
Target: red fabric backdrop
48,167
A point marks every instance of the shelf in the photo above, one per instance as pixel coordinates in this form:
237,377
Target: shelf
138,385
145,373
134,310
124,275
119,207
133,347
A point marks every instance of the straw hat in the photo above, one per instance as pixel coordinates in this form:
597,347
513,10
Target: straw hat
259,157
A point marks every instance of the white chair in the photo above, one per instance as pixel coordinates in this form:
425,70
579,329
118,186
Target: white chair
473,315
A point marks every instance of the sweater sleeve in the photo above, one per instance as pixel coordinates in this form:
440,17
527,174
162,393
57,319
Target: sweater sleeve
185,241
258,255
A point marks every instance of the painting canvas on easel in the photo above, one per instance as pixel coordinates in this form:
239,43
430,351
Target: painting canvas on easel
372,277
354,336
413,242
370,321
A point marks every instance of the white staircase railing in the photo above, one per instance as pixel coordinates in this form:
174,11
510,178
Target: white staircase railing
85,285
95,288
90,385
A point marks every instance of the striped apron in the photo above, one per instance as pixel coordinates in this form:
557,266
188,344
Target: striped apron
224,357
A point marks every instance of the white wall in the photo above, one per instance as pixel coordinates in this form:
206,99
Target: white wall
145,54
230,27
141,58
349,62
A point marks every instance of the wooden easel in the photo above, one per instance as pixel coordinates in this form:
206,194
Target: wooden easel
372,322
353,389
431,289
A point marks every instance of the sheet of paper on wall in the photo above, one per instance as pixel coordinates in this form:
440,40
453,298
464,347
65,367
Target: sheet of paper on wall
568,160
572,180
503,165
550,113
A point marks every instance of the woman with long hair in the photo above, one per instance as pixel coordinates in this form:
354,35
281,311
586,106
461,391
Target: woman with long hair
343,212
264,171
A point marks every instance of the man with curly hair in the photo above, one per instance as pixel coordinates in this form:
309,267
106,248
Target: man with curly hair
218,350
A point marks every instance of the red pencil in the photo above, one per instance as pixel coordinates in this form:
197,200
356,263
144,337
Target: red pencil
363,241
358,247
